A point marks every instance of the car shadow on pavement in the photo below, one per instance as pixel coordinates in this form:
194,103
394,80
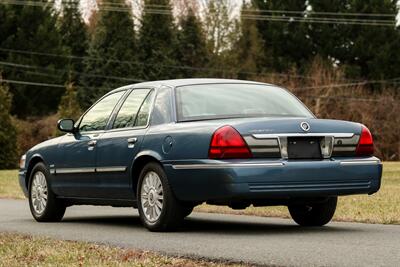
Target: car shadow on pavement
255,228
213,226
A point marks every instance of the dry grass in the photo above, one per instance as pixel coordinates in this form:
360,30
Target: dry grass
382,207
20,250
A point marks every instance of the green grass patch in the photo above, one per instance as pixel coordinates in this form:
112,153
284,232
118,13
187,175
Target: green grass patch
21,250
9,186
382,207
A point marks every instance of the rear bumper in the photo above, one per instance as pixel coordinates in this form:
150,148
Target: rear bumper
206,180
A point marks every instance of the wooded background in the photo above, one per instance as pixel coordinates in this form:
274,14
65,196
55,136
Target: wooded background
340,57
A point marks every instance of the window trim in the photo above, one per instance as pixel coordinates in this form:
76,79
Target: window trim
111,123
175,97
78,124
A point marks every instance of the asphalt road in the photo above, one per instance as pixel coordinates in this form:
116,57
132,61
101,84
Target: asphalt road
265,241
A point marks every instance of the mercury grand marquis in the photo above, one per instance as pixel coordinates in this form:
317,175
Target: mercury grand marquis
164,147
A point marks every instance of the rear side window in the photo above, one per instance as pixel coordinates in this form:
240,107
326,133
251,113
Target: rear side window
97,117
162,112
131,113
144,112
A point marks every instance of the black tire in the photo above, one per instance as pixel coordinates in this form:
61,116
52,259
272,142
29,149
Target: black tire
315,214
54,209
172,212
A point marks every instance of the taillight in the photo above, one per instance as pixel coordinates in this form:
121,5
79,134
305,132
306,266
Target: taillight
365,146
227,143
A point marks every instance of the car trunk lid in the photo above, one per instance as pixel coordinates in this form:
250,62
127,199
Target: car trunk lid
298,138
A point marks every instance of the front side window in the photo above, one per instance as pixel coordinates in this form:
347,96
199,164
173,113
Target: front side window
129,114
214,101
97,117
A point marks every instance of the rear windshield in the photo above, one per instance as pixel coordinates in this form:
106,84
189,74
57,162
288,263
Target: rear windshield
214,101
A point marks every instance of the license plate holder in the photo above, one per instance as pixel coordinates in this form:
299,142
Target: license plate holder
304,148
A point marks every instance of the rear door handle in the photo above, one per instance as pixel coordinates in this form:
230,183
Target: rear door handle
131,142
91,144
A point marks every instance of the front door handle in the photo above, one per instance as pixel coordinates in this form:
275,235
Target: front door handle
91,144
131,142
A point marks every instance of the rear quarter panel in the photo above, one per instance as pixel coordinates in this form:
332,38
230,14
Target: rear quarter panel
180,141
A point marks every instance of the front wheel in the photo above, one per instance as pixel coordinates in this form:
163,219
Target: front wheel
44,205
159,210
315,214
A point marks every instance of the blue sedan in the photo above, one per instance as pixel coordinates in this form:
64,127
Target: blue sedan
164,147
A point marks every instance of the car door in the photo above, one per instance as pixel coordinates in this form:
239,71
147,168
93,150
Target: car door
117,147
75,173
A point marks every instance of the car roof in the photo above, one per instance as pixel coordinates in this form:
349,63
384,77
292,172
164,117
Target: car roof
182,82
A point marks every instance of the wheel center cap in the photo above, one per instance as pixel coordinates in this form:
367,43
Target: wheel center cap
152,197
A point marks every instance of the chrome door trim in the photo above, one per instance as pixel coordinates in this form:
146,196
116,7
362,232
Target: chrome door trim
226,165
75,170
111,169
360,162
88,170
335,135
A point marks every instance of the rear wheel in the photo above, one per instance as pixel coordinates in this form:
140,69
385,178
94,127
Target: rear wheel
44,205
158,208
315,214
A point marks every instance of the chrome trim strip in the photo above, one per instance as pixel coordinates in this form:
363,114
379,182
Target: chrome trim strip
258,165
88,170
226,165
111,169
344,148
75,170
251,141
264,150
360,162
21,173
336,135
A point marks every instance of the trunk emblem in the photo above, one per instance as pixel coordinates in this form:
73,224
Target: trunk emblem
305,126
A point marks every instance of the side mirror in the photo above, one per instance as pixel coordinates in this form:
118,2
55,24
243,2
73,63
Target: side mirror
66,125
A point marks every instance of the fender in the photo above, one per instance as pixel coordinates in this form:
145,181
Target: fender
150,153
35,158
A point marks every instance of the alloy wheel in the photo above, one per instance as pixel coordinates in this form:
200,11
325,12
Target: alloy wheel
39,192
152,199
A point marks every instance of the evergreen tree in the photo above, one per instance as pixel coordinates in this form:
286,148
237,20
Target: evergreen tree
74,37
287,40
249,49
37,56
329,40
222,32
8,133
372,49
192,46
112,54
219,26
69,106
365,51
158,42
7,25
